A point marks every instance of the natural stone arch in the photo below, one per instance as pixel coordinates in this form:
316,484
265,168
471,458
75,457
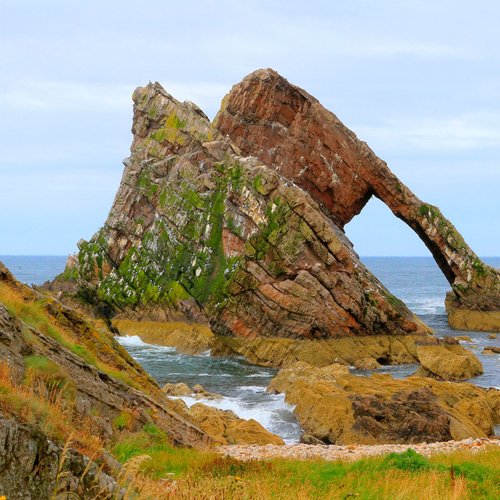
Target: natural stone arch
284,126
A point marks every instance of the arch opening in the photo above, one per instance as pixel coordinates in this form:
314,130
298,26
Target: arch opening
398,257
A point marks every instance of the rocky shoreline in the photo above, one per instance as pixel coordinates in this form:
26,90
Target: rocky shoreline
350,452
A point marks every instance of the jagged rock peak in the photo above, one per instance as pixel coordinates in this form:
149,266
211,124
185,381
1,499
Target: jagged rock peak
289,130
197,229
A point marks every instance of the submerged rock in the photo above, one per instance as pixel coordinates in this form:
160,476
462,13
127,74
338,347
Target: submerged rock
491,350
339,408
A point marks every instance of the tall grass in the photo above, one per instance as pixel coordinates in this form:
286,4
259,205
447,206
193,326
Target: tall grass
46,408
403,476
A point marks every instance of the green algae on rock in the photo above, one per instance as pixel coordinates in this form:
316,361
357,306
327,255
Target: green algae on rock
289,130
198,231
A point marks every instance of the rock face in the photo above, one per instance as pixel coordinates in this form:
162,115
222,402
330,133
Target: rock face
198,230
339,408
447,361
286,128
102,384
32,466
224,427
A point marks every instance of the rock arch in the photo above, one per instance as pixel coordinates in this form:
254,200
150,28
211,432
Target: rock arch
288,129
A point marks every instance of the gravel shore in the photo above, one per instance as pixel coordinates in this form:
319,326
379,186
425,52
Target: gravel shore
348,452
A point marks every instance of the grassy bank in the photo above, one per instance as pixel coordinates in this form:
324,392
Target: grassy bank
167,472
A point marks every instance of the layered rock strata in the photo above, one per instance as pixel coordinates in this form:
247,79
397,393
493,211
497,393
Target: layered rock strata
197,229
339,408
289,130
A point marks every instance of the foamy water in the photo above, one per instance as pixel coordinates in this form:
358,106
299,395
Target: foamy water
242,385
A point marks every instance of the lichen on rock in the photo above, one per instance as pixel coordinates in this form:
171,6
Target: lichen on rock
197,230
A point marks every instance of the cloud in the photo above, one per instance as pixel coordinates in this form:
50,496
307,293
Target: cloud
63,95
74,180
45,95
462,132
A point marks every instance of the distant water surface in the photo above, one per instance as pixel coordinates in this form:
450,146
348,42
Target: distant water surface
33,269
415,280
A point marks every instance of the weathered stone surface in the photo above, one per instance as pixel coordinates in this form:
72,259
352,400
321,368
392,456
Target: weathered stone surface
386,349
224,427
339,408
199,231
491,350
187,338
197,391
366,364
285,127
471,317
447,361
34,467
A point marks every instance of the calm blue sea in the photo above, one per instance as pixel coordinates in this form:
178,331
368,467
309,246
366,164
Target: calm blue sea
415,280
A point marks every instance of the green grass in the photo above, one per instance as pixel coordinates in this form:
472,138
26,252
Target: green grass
407,475
164,458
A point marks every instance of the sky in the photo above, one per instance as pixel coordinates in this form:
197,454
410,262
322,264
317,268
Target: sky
418,80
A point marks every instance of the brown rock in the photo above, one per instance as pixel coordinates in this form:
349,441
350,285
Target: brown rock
366,364
491,350
198,230
288,129
387,349
448,362
334,406
226,428
179,389
187,338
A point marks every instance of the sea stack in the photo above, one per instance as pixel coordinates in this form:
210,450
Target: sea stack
240,223
290,131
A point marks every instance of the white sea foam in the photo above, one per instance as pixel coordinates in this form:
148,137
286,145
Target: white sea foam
131,341
427,305
271,413
136,341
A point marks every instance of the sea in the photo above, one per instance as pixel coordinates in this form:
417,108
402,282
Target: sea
415,280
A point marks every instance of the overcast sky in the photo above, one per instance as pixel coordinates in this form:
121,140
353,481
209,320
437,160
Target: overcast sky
418,80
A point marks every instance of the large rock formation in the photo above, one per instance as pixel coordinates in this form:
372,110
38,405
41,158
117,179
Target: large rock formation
286,128
336,407
198,230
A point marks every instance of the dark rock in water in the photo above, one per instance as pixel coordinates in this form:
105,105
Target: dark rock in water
491,350
289,130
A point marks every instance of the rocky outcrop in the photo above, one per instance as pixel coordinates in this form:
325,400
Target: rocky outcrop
197,229
339,408
447,361
34,467
491,349
47,344
187,338
197,391
224,427
286,128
